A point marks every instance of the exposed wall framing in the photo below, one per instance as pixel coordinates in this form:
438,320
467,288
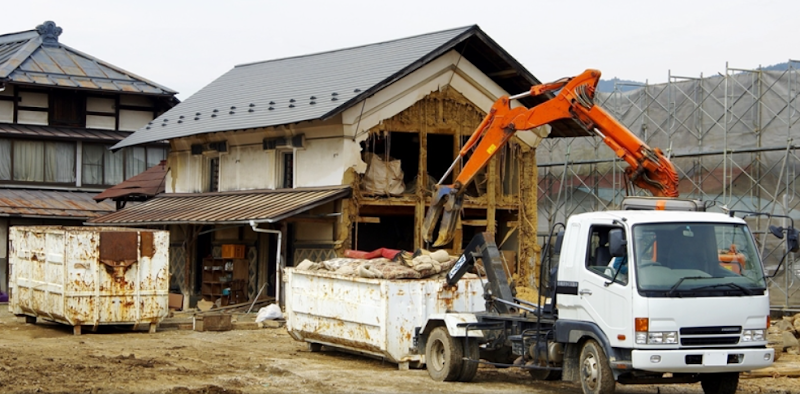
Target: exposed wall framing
431,133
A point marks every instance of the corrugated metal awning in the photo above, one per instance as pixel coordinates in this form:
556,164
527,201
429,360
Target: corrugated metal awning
68,133
240,207
52,204
142,186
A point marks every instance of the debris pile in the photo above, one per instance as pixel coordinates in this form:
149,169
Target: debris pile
782,335
422,264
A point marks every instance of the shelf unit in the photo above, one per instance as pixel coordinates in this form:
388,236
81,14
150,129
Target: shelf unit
219,274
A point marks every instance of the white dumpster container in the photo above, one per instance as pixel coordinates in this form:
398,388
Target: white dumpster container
89,275
377,317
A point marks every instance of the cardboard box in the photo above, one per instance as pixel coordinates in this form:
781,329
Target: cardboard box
232,251
176,301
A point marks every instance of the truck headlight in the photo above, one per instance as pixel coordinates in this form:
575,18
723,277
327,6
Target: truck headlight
662,338
753,335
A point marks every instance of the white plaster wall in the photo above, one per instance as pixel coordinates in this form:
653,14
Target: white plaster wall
246,168
185,173
322,162
7,106
133,120
100,122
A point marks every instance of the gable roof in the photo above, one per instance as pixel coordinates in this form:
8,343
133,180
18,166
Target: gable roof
322,85
35,57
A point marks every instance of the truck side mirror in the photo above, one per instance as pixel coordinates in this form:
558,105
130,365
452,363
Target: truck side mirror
617,244
792,242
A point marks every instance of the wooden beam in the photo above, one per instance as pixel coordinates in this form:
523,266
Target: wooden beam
475,222
367,219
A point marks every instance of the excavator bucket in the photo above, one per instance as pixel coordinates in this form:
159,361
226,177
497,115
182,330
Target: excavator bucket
446,204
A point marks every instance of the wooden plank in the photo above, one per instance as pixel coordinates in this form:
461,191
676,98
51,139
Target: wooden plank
474,222
367,219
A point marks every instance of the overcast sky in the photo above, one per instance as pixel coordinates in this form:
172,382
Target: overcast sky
185,45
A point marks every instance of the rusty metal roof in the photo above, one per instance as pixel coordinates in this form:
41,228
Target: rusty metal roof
67,133
320,86
51,204
240,207
36,57
139,187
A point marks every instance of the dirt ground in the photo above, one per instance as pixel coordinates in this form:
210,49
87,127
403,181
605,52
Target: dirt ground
47,358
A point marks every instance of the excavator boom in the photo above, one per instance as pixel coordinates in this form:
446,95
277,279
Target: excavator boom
648,168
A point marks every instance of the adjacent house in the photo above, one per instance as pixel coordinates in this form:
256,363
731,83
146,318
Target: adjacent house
305,157
60,112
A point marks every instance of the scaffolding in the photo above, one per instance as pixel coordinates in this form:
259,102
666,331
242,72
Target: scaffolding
731,138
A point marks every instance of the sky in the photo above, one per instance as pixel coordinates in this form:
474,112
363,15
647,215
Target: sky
185,45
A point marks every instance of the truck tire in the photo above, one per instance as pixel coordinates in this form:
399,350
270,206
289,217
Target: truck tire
595,373
719,383
473,352
443,356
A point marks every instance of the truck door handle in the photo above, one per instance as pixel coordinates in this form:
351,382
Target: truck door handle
585,292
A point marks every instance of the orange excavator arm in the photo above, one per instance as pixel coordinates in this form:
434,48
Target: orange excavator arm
648,168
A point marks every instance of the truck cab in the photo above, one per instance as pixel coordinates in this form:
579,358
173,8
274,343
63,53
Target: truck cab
662,296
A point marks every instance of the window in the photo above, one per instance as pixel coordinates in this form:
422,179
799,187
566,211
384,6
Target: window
287,181
213,172
68,109
103,167
598,256
37,161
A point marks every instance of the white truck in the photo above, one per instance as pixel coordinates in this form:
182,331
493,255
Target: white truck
636,297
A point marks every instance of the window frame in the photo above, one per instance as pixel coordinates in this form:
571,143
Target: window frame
43,182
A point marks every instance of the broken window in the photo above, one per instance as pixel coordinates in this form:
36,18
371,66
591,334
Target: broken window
392,163
384,227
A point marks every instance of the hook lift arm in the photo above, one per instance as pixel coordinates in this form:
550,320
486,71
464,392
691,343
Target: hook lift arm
648,168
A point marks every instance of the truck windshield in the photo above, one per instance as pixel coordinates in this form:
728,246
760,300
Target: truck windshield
696,260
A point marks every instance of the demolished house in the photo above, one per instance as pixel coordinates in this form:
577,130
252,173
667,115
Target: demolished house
306,157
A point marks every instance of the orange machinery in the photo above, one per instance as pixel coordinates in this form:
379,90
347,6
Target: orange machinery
648,168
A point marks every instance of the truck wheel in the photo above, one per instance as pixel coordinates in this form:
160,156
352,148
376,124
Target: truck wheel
443,356
719,383
472,352
596,376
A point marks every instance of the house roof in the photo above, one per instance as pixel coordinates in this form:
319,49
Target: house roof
36,57
240,207
322,85
66,133
51,204
142,186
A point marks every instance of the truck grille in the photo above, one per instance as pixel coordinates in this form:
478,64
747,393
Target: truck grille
705,336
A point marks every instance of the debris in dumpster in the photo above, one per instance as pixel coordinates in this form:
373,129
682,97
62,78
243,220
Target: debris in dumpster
403,265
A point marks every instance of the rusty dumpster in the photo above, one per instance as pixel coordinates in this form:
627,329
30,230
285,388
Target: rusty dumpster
89,276
375,317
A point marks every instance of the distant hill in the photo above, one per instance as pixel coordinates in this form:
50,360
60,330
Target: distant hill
624,85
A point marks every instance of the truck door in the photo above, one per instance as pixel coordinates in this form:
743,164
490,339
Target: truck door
602,297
